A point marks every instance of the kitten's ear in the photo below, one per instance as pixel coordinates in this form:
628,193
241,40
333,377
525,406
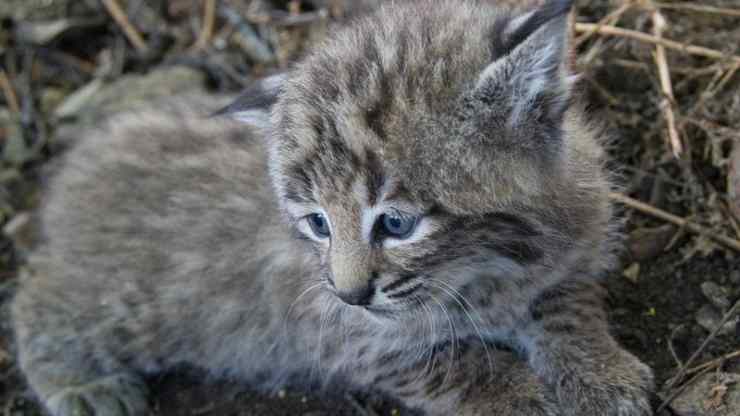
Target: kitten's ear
254,104
531,71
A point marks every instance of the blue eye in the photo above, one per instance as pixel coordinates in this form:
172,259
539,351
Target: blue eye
319,225
397,226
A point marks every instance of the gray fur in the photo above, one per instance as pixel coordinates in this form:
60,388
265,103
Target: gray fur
166,243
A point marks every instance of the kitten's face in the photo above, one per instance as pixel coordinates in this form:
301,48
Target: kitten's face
416,155
384,246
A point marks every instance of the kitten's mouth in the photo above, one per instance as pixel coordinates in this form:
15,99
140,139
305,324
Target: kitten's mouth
388,309
379,310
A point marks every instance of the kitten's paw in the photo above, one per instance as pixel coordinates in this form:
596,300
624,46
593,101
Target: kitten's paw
621,387
109,396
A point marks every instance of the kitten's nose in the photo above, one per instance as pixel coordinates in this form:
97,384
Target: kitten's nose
357,296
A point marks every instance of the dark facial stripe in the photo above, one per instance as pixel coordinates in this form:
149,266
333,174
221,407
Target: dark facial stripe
510,236
406,292
397,192
520,251
511,224
299,186
373,176
398,282
473,238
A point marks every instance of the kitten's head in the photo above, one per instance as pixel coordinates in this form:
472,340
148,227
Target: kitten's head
434,144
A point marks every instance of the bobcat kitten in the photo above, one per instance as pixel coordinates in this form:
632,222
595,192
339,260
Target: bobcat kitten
424,192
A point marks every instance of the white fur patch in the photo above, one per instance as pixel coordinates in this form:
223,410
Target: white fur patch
259,118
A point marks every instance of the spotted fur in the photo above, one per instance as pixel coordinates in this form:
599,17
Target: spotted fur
172,238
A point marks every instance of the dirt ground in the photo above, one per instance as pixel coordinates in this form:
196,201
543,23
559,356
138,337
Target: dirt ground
673,288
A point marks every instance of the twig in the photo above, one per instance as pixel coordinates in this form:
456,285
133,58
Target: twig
609,97
699,8
128,29
644,37
596,49
713,363
677,378
609,19
668,101
717,85
679,364
209,18
282,19
681,222
10,97
666,405
246,36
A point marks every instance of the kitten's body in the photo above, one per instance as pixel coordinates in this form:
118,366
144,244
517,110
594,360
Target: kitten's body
165,243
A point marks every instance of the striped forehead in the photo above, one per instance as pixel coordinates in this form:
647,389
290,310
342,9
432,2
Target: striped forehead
332,172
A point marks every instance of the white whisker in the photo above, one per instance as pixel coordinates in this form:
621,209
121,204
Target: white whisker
457,296
284,325
429,365
323,317
295,302
453,338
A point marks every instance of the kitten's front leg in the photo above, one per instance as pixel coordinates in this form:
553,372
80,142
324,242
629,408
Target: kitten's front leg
570,349
479,381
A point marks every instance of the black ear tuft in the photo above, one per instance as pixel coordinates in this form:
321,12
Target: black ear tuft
519,29
254,104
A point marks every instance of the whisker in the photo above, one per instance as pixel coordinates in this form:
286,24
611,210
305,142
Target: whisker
429,350
397,283
298,298
322,321
284,325
456,296
453,336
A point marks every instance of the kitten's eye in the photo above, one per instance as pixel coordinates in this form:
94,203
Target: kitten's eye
397,226
319,225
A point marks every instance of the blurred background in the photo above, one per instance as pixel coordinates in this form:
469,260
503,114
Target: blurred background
664,76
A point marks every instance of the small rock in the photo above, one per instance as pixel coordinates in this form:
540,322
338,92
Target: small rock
646,243
716,294
43,32
713,394
735,277
709,318
20,10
